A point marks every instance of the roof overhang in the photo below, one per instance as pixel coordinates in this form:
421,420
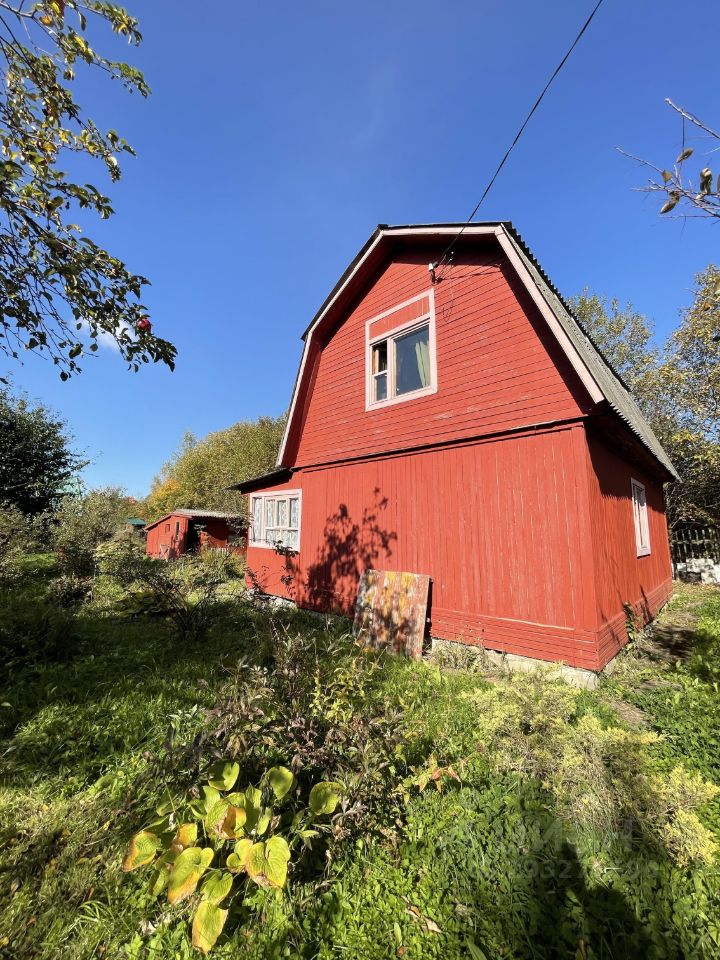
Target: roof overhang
281,475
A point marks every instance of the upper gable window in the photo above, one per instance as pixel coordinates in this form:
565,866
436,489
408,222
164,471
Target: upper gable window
640,516
400,360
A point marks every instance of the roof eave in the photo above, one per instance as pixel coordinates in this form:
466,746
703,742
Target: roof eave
265,480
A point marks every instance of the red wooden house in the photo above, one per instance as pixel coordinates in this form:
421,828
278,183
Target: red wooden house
186,530
459,423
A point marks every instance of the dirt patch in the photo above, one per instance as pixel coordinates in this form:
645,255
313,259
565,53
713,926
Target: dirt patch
630,714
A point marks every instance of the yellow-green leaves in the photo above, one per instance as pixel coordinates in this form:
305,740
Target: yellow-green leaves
217,886
249,818
161,873
185,836
264,821
223,775
325,796
237,860
251,802
207,926
186,872
225,820
280,780
142,850
266,862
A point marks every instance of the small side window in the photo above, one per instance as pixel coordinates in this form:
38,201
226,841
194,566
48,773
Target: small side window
640,518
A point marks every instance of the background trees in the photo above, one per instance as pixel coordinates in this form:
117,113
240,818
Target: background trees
59,291
85,521
201,471
677,387
624,336
37,460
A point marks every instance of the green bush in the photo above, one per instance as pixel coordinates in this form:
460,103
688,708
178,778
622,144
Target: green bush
19,534
83,523
33,631
188,590
223,566
600,774
318,706
68,590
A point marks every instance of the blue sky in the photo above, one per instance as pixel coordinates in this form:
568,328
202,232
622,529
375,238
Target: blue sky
279,135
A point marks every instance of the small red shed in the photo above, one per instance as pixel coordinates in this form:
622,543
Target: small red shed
455,420
183,531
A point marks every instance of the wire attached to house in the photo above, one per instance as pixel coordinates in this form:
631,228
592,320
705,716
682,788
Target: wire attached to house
447,254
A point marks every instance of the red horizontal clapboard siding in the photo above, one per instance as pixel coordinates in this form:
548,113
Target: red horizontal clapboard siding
498,367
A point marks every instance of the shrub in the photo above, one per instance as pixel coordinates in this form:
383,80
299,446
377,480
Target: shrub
232,839
600,775
11,529
68,590
33,632
317,705
186,590
83,523
223,566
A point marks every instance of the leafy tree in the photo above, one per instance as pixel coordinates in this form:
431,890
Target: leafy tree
60,292
676,187
678,387
187,590
199,474
84,522
624,336
689,419
693,356
37,462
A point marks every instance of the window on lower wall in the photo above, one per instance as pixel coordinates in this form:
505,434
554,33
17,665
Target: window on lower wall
275,519
640,517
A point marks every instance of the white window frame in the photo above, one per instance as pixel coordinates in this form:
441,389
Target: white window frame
426,319
640,517
263,498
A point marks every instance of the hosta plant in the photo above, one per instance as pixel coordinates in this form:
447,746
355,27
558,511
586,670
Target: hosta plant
207,849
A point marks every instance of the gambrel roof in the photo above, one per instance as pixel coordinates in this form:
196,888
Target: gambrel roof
592,368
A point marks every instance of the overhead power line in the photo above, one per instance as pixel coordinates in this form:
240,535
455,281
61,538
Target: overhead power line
520,132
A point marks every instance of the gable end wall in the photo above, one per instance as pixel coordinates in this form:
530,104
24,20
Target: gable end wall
498,367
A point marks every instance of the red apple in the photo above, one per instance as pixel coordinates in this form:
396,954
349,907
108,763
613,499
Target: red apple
144,325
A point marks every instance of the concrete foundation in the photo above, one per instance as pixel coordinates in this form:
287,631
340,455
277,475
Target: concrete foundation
512,663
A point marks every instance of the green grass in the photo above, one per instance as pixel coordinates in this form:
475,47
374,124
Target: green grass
489,867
